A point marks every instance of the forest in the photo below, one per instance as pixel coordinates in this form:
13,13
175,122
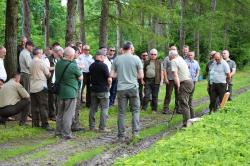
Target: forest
204,25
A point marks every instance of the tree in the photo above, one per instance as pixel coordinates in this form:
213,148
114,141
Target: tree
118,26
103,42
82,20
70,22
182,30
46,22
11,36
26,18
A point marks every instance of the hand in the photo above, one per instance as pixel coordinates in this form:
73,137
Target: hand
142,82
167,81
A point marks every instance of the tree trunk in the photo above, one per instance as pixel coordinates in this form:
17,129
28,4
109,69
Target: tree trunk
103,42
70,22
26,19
213,8
142,20
46,23
118,27
11,26
197,42
182,30
82,20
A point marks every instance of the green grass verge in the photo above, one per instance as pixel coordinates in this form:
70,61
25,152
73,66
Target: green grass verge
219,139
83,156
22,149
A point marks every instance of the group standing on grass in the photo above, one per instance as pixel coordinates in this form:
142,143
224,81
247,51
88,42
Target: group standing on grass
53,84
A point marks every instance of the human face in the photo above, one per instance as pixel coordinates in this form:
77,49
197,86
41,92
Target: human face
29,48
225,54
2,53
217,58
153,56
86,50
144,56
185,50
191,56
111,51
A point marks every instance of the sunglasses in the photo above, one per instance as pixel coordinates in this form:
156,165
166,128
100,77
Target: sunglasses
87,49
153,54
112,50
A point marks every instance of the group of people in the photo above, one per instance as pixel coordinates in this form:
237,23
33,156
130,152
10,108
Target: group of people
50,84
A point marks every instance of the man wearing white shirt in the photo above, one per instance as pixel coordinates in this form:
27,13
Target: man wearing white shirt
86,60
3,74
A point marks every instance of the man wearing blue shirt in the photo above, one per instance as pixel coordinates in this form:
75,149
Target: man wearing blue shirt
194,69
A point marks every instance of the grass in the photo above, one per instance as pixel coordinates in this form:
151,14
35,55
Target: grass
7,153
77,158
219,139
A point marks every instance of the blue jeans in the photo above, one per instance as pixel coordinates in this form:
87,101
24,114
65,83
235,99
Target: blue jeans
113,91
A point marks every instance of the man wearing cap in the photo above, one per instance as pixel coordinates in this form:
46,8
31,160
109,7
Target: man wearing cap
232,66
3,74
25,59
100,82
153,71
219,72
182,79
128,69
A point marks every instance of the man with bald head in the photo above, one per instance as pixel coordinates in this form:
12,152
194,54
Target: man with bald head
232,66
153,71
67,75
219,73
3,74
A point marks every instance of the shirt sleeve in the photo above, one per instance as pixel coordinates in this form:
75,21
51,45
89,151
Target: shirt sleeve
174,66
139,63
21,91
76,69
113,66
45,69
234,66
106,71
226,68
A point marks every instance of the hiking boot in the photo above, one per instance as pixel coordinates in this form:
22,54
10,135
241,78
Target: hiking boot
68,137
2,121
78,129
93,129
166,111
48,128
105,130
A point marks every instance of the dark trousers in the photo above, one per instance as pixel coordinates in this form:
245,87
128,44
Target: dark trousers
25,81
39,108
86,82
12,110
217,91
76,121
140,92
151,89
185,98
169,89
113,91
230,90
51,101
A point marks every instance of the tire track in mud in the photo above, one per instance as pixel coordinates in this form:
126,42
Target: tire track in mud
58,153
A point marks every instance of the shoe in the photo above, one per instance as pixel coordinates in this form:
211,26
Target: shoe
52,118
23,124
166,111
177,111
93,129
154,111
105,130
68,137
48,128
2,121
78,129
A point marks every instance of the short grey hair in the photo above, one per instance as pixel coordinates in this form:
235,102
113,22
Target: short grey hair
58,49
153,51
173,53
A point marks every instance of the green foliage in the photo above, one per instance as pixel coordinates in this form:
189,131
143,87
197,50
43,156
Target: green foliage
83,156
219,139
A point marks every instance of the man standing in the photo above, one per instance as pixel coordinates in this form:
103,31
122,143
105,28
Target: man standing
19,50
184,84
185,51
219,73
113,89
39,72
194,69
3,74
25,59
144,57
13,98
170,85
69,74
86,60
127,68
232,66
153,71
100,82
